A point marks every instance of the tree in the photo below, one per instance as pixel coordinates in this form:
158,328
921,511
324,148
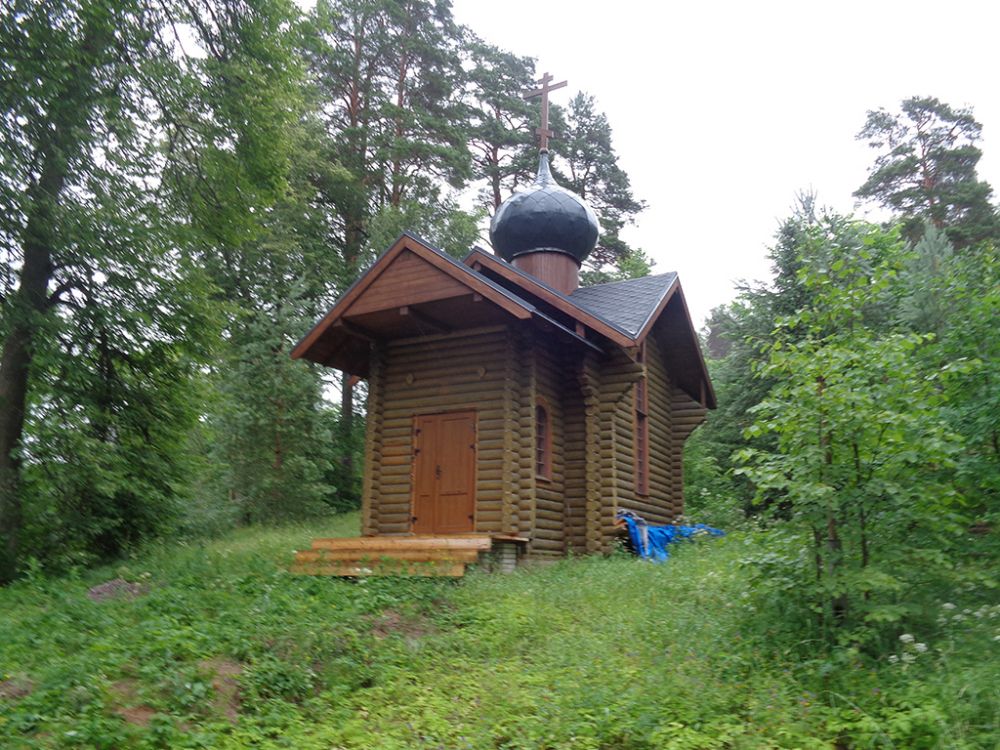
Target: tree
391,79
926,170
95,296
502,128
587,164
254,179
863,455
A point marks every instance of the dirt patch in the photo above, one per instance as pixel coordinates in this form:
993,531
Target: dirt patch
132,709
14,688
138,716
225,684
393,622
116,588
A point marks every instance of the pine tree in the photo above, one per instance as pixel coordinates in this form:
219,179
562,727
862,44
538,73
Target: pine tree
926,170
587,164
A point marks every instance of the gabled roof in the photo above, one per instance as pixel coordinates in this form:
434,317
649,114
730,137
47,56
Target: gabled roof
339,339
630,304
624,312
412,273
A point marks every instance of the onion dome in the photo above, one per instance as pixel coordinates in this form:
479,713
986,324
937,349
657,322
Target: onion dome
544,218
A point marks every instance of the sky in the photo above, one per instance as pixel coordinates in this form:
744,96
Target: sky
722,111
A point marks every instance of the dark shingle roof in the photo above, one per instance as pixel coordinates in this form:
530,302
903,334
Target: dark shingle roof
625,304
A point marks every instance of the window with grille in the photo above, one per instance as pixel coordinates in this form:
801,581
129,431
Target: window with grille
543,442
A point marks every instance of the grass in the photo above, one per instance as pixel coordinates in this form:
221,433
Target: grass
227,650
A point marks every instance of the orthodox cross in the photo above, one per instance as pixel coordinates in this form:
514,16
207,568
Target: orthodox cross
543,91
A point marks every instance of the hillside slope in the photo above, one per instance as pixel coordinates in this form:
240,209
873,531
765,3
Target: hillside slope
215,645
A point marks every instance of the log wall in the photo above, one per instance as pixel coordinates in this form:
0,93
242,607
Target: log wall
575,485
551,380
618,374
428,375
657,506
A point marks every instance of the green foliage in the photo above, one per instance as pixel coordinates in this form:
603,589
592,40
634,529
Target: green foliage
586,163
501,122
863,454
440,223
926,170
586,653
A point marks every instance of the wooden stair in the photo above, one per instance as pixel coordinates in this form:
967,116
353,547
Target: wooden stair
392,556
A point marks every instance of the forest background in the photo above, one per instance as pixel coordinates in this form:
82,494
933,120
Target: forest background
187,185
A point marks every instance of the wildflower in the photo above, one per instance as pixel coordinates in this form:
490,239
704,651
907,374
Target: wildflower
893,658
947,605
909,658
906,638
920,647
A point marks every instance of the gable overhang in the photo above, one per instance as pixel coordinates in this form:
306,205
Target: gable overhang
412,290
671,323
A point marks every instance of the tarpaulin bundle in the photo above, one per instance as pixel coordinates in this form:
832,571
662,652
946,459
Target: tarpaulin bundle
650,542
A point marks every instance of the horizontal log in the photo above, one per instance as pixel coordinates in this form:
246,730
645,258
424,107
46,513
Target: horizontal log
539,543
414,541
353,570
376,555
420,341
457,339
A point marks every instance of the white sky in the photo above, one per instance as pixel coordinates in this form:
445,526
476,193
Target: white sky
721,111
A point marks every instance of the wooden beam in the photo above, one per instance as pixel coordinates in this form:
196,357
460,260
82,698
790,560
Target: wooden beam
428,320
355,330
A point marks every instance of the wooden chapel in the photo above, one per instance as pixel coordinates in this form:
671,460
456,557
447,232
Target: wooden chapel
509,409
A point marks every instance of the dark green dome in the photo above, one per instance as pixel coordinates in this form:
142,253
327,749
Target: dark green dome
544,218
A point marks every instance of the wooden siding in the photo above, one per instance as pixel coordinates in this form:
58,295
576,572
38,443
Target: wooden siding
549,535
525,427
590,387
618,374
408,280
574,455
663,486
373,443
434,374
687,415
617,446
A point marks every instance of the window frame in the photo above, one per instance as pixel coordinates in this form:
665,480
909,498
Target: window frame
543,434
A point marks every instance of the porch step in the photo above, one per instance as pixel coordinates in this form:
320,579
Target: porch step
355,569
391,556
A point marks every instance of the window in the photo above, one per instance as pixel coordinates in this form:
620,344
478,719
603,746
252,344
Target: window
641,431
543,442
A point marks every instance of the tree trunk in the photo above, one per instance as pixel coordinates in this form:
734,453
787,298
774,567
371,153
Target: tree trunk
63,135
30,303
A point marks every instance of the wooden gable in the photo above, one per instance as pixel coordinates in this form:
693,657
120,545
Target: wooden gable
410,290
407,279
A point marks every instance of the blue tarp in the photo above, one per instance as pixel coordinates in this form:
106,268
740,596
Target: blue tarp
650,542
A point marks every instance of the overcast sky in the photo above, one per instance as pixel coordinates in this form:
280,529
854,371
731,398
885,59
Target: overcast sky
722,111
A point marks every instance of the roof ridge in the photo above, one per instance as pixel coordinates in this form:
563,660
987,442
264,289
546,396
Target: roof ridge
626,281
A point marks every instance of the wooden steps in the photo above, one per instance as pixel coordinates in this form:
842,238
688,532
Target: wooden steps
392,555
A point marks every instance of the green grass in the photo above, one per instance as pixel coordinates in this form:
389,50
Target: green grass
587,653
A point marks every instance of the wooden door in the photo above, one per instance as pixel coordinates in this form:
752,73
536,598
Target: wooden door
444,473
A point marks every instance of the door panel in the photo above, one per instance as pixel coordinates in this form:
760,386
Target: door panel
444,469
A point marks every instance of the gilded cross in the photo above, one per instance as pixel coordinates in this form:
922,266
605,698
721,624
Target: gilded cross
543,91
